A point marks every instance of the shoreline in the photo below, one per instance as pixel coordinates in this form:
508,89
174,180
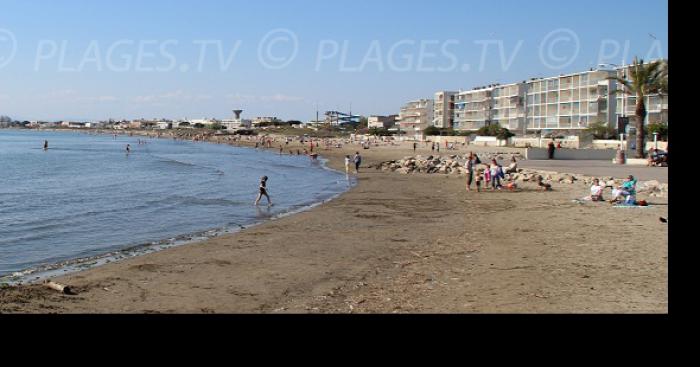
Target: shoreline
394,244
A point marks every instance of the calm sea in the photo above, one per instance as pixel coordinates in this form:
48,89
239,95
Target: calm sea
85,197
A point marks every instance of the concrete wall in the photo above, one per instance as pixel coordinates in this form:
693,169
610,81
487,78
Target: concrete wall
614,144
538,154
449,139
571,142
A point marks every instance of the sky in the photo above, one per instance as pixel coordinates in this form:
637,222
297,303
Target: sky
95,60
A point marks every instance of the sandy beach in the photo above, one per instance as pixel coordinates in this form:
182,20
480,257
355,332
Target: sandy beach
397,244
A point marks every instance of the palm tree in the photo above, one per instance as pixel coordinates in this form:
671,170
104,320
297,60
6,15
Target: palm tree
643,80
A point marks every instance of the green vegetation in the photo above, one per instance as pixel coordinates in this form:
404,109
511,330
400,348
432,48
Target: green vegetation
661,129
434,131
495,130
216,126
379,132
602,131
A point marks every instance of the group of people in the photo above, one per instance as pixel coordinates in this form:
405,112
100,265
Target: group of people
657,158
625,193
489,175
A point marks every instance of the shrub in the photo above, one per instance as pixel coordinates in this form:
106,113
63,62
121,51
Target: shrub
659,128
497,131
601,130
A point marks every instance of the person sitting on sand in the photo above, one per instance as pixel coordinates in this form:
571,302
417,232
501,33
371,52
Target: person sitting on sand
543,185
628,190
513,167
596,191
263,192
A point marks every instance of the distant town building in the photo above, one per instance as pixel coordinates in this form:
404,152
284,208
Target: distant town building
264,121
381,122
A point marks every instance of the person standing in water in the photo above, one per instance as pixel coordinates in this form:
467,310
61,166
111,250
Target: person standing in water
347,164
128,148
46,145
263,192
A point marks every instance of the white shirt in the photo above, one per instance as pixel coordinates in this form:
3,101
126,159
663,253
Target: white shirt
597,190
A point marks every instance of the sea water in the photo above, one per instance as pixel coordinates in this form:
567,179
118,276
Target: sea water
85,196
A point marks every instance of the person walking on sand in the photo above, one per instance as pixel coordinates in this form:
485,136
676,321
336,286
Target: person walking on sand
263,192
347,164
358,162
415,146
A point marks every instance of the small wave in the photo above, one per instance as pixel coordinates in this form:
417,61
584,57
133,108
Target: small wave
188,164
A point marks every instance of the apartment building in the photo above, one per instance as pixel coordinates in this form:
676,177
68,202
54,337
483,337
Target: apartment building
473,109
571,102
508,108
443,111
382,122
416,116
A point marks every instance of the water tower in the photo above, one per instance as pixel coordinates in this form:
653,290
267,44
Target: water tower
238,113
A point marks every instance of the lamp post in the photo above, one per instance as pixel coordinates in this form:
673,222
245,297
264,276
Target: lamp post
656,141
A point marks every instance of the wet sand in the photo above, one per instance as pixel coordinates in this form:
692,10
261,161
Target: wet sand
397,244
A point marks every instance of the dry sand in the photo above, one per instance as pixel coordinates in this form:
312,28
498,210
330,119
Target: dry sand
397,244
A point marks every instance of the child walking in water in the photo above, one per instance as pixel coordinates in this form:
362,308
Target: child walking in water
263,192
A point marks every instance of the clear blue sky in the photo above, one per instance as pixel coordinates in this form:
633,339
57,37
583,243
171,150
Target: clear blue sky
38,81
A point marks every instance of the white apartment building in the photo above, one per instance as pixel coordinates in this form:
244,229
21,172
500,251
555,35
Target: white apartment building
443,111
415,117
571,102
566,102
473,109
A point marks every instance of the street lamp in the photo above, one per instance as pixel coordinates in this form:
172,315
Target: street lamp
656,140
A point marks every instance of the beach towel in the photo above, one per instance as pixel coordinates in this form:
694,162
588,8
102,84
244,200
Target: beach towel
631,206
